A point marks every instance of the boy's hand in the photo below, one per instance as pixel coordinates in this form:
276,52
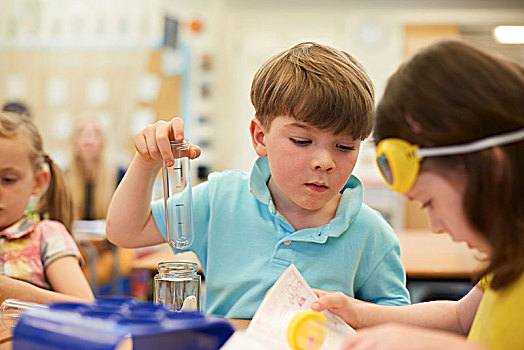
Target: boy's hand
152,142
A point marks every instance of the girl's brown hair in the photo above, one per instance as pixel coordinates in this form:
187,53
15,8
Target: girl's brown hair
316,84
453,93
55,203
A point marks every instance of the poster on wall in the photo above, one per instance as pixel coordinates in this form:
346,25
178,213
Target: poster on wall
98,92
57,91
15,87
148,87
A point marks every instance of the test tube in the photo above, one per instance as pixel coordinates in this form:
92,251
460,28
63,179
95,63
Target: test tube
178,197
12,308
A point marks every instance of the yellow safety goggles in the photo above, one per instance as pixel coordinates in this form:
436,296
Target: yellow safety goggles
399,161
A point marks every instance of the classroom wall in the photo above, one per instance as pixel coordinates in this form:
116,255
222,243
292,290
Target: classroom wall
374,32
248,35
67,59
117,45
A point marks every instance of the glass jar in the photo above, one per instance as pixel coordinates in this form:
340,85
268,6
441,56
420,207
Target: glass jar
177,286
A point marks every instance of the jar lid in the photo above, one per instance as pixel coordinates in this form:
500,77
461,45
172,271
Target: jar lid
307,330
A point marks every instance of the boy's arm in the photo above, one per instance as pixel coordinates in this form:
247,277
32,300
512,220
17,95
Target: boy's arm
129,221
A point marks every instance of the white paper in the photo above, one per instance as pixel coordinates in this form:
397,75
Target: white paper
98,92
289,295
242,340
63,125
89,230
15,87
148,87
57,91
171,63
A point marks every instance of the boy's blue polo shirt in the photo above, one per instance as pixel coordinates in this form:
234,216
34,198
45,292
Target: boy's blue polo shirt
244,245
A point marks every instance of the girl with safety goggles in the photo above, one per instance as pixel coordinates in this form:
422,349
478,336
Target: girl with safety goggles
450,134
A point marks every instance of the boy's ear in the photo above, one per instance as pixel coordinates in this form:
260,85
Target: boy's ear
42,178
258,134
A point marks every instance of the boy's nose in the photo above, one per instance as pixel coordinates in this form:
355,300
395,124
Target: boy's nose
322,160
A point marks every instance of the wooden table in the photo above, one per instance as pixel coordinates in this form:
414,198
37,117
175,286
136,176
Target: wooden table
5,338
423,254
427,255
90,236
238,324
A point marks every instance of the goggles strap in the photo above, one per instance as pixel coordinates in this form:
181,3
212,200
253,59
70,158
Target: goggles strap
497,140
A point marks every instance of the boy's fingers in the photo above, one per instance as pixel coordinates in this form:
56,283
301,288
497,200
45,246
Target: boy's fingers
177,128
140,144
152,148
194,152
144,144
162,137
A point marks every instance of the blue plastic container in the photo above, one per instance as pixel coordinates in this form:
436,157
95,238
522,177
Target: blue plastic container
105,323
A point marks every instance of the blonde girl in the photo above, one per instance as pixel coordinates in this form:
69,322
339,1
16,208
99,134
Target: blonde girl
39,260
92,176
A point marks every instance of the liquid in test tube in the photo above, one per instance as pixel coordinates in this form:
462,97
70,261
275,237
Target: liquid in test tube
178,202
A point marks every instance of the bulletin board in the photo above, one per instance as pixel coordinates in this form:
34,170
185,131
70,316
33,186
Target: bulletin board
61,85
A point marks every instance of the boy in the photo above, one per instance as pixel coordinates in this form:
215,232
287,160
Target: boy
300,203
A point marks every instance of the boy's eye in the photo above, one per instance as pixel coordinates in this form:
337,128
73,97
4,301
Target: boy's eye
300,141
345,148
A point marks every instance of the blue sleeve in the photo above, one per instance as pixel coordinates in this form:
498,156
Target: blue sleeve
386,284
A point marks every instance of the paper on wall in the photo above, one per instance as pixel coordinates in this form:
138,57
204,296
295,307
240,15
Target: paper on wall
289,295
57,91
98,92
15,87
148,87
62,125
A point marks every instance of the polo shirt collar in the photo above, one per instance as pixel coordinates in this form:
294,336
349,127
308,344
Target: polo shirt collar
258,180
348,208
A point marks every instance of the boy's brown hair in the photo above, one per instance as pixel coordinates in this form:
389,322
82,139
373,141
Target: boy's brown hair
318,85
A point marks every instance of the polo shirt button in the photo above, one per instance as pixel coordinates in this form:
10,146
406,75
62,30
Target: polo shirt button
287,242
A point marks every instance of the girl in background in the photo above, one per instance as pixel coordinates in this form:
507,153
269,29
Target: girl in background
92,176
450,135
39,260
